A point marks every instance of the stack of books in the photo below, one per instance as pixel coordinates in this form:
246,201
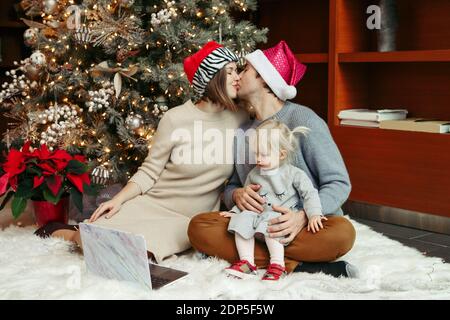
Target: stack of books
417,124
370,118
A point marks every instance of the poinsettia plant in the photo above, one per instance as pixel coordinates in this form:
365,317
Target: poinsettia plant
43,175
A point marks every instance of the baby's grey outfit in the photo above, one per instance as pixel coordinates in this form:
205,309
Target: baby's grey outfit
286,186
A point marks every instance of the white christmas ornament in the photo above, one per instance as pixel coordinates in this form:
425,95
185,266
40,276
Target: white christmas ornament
50,6
20,83
30,36
164,15
62,118
38,58
134,121
101,98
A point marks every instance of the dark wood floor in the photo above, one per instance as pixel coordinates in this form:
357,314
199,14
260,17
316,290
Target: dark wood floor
429,243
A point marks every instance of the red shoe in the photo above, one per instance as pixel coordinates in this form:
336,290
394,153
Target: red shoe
242,269
274,272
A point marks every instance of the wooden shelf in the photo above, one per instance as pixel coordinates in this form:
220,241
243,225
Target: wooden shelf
312,57
396,56
402,131
400,169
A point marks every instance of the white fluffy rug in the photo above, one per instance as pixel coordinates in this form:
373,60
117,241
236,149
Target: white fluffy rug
33,268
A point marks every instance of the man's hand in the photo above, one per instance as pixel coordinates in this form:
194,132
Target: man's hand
288,225
247,199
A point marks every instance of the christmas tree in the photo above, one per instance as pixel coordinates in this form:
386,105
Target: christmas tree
102,73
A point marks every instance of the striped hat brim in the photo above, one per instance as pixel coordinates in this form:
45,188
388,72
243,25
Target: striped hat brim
208,68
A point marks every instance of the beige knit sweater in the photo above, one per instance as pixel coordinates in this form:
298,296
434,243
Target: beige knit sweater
180,177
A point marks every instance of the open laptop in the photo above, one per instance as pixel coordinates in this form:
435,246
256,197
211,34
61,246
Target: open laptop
122,256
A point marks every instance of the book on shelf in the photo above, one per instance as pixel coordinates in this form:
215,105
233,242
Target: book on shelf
417,124
373,115
360,123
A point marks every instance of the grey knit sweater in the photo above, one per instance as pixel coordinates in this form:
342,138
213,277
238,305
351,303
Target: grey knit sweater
318,156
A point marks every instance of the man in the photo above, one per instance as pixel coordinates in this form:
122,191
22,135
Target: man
266,84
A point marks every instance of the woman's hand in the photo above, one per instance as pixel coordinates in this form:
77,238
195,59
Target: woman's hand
315,223
288,225
247,199
112,207
226,214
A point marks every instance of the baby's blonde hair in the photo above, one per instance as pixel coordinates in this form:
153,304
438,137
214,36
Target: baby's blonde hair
285,138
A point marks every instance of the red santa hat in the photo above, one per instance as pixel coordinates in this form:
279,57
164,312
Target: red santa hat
279,68
203,65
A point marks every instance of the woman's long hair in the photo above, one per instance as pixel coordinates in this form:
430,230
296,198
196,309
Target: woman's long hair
216,91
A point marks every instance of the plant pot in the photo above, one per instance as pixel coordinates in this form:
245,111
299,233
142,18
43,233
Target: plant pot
45,211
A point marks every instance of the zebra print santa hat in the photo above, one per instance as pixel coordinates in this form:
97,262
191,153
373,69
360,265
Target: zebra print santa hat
201,67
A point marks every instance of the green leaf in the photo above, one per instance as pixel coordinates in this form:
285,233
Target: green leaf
18,205
76,167
92,190
6,199
24,189
77,198
34,171
48,196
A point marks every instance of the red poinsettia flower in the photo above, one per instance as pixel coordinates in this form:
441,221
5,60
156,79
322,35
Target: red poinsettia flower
37,181
80,158
13,182
4,183
15,163
54,184
61,158
26,150
48,169
78,179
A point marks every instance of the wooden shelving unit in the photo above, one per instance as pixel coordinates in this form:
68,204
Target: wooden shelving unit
313,57
408,170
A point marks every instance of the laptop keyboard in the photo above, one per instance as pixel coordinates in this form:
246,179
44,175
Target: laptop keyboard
158,282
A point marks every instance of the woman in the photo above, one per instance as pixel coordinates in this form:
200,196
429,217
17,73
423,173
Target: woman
165,193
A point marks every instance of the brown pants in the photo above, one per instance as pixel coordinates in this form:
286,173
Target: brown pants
208,234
